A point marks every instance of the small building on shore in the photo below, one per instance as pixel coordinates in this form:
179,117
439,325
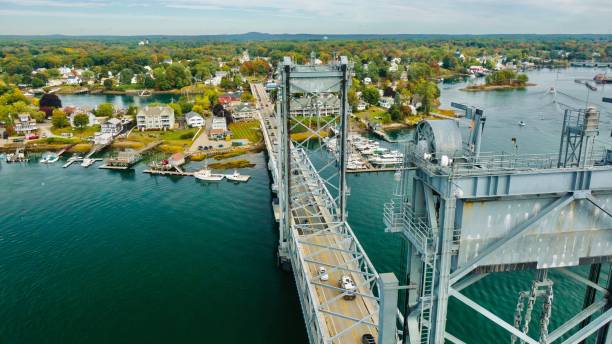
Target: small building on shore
194,119
243,111
113,126
218,129
155,118
25,124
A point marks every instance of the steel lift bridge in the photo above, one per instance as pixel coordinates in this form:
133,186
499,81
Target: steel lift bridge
466,214
312,189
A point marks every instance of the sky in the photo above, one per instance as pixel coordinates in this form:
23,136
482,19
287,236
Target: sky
202,17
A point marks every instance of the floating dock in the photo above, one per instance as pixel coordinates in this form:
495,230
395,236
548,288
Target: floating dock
169,173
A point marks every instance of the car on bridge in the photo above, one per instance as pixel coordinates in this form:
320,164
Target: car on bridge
368,339
323,275
347,284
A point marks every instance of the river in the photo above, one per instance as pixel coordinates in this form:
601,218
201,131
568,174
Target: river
96,256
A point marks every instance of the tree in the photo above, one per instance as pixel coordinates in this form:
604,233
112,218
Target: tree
105,110
132,110
38,82
198,109
522,78
178,76
48,102
246,97
108,84
81,120
59,119
428,92
395,113
126,76
371,95
178,110
149,82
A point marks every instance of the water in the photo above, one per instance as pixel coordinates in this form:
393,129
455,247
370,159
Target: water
119,101
97,256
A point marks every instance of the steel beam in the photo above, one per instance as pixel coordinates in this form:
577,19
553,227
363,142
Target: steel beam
575,320
494,318
593,326
513,234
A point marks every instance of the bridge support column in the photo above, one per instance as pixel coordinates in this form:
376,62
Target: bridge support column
387,329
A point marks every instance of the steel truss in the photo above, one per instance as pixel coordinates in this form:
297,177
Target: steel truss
464,223
313,227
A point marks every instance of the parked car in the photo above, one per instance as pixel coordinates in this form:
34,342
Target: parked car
31,137
323,275
368,339
18,139
347,284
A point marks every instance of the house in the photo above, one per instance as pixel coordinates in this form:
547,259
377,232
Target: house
113,126
25,124
155,118
73,80
194,119
218,129
228,98
177,159
243,111
91,118
385,102
361,105
367,80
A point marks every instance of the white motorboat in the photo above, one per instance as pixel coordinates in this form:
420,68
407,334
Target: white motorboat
522,123
237,177
207,175
49,158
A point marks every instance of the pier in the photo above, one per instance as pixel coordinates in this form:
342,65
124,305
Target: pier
125,160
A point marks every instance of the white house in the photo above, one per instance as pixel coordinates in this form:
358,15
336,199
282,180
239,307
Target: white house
194,119
385,102
367,80
218,128
25,124
155,117
243,111
91,118
73,80
361,105
113,126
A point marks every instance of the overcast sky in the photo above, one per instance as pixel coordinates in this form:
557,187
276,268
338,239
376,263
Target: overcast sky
194,17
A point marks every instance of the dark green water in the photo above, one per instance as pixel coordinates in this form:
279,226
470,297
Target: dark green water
93,256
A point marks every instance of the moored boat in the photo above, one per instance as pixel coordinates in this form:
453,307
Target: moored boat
237,177
207,175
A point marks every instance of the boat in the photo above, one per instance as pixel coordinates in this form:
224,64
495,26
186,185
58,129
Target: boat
49,158
237,177
207,175
522,123
18,156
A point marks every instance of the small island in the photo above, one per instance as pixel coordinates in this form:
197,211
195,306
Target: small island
501,80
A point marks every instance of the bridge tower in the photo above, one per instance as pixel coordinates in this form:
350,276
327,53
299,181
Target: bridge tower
465,215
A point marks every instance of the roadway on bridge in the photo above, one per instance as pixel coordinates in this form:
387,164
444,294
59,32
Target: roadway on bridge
305,185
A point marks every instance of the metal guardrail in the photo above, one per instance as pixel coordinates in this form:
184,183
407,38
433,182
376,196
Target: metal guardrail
400,217
495,163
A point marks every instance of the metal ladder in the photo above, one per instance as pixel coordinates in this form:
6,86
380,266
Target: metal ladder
429,272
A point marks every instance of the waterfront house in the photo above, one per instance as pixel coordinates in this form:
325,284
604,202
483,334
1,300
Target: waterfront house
113,126
361,105
25,124
155,118
243,111
177,159
194,119
218,129
385,102
367,80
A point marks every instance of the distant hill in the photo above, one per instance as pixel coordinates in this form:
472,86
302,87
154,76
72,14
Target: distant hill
260,36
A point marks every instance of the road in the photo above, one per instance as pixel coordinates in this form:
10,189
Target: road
310,212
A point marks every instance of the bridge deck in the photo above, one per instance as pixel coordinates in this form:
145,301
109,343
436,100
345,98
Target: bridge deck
321,241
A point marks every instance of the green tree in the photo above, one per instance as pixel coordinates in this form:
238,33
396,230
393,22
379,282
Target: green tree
126,75
178,76
105,110
108,84
522,78
132,110
370,95
178,110
59,119
428,92
81,120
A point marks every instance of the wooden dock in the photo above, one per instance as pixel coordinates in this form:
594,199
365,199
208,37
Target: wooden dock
110,167
169,173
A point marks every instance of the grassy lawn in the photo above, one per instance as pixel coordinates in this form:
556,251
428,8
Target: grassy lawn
246,130
183,135
375,114
78,133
